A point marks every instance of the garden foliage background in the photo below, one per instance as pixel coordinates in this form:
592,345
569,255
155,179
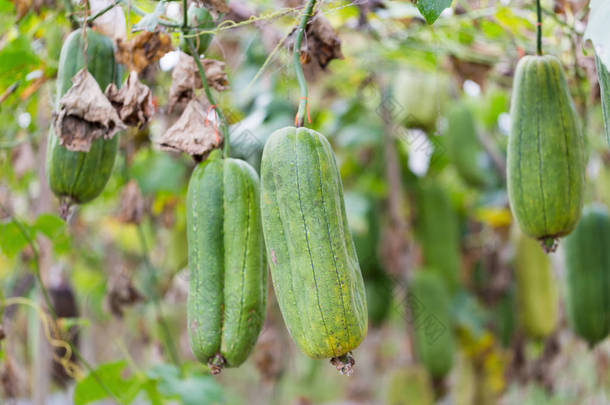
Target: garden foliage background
392,102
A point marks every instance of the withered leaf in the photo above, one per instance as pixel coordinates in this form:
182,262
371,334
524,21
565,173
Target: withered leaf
216,6
132,204
133,102
143,49
193,133
320,44
121,292
186,78
85,115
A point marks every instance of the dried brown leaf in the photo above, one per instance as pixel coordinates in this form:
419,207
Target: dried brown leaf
133,102
143,49
85,115
121,293
268,355
132,204
186,78
23,159
193,133
320,44
215,74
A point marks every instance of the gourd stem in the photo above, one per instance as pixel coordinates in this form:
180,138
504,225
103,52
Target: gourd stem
185,21
297,62
538,28
206,88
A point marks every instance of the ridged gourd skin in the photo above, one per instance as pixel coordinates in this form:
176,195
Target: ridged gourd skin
465,149
546,165
437,230
429,304
310,251
537,295
82,176
228,274
588,275
603,77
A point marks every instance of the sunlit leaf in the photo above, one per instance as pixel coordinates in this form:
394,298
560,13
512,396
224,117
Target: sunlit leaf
432,9
12,239
89,388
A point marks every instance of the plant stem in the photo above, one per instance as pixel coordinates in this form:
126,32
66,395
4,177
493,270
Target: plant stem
297,62
70,13
538,28
167,336
208,92
26,235
102,11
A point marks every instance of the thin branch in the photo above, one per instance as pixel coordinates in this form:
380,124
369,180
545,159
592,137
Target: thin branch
33,246
223,122
11,89
51,309
538,28
100,13
297,62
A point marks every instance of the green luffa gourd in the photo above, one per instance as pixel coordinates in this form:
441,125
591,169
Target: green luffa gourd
437,230
465,149
79,177
310,251
537,294
588,275
228,277
430,311
546,165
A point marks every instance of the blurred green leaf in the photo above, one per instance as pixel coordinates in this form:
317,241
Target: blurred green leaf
157,171
89,389
432,9
49,224
150,21
195,389
18,59
12,239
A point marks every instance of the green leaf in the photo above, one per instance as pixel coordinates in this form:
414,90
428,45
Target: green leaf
150,21
195,389
597,29
156,172
431,9
12,239
50,225
18,59
89,388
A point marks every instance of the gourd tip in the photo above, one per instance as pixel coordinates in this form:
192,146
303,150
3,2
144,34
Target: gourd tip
216,364
344,364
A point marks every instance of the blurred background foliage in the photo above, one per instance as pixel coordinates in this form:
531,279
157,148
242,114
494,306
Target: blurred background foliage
434,97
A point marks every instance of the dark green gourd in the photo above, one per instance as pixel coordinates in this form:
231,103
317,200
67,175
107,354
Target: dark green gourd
79,177
228,275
